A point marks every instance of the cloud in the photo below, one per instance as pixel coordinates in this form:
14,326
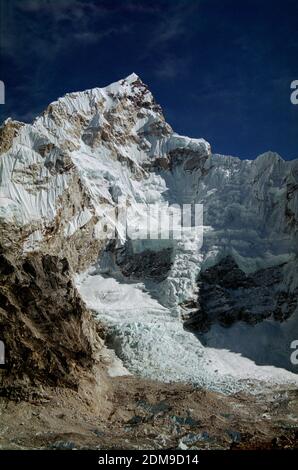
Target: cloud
58,9
67,20
175,22
171,67
170,28
136,6
89,37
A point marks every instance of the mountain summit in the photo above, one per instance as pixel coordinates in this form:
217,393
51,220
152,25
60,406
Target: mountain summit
61,176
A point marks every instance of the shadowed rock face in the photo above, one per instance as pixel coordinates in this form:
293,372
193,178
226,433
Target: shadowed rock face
145,265
48,333
227,295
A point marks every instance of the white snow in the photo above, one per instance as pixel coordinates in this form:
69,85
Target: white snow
245,215
152,342
77,221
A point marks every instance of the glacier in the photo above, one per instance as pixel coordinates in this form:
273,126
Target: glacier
62,177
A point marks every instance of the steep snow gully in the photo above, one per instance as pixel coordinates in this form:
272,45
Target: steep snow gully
217,306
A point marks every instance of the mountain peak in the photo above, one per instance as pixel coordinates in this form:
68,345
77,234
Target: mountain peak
63,181
130,90
133,77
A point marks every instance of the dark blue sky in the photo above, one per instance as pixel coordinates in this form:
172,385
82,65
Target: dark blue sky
221,69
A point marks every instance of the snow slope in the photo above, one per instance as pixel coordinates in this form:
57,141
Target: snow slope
152,343
62,179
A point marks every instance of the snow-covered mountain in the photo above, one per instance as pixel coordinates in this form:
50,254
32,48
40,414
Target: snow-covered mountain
175,310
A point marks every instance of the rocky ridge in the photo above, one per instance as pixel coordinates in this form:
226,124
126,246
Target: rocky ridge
63,175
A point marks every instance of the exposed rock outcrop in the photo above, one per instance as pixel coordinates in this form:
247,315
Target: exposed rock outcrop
50,337
227,295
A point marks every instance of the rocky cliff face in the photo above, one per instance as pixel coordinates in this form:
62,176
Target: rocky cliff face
227,295
62,178
50,337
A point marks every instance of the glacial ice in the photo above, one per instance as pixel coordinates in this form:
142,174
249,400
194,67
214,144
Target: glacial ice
152,342
249,211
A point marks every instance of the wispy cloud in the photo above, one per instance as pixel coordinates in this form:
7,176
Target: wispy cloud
174,24
136,6
89,37
170,67
68,21
169,28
